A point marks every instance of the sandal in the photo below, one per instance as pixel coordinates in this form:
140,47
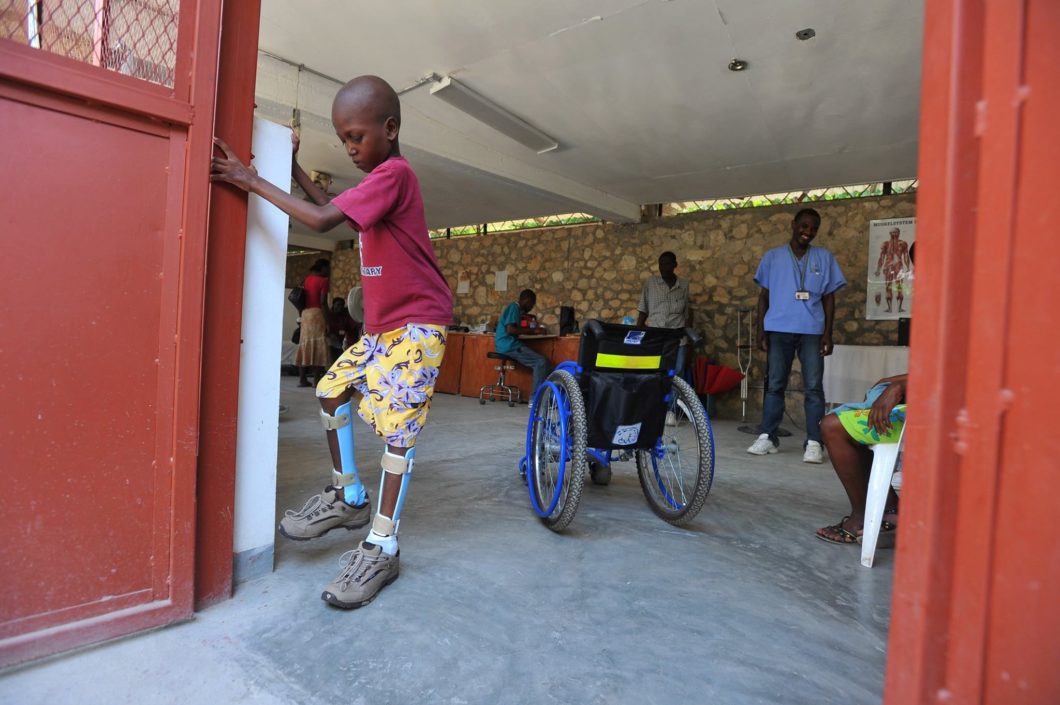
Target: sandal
845,535
888,533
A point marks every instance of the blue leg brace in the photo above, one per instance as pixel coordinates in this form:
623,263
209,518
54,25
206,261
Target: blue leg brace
346,477
396,465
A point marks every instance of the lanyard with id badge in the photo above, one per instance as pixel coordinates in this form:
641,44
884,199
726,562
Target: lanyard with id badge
802,293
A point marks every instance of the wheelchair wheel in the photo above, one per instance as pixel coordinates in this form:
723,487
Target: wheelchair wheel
556,452
676,475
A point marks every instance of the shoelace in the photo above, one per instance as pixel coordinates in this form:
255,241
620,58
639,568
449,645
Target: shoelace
314,504
356,564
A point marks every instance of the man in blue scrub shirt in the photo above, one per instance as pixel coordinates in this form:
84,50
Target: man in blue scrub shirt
795,311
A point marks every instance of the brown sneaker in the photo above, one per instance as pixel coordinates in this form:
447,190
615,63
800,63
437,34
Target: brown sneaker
321,514
367,570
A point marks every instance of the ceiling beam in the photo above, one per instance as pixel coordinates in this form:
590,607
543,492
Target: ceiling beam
281,86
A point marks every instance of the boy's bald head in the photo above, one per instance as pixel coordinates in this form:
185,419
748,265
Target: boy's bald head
369,95
366,114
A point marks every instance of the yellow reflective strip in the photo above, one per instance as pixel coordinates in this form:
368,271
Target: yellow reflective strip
629,362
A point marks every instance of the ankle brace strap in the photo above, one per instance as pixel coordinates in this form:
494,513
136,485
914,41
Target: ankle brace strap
339,479
384,526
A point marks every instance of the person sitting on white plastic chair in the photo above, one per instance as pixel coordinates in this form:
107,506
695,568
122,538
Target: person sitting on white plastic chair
848,432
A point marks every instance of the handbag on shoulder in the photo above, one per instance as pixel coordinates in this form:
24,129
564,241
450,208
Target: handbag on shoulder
297,297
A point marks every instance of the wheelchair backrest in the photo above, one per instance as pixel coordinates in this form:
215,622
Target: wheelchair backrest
626,382
617,348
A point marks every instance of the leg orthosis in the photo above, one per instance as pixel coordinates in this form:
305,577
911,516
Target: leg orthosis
394,465
346,476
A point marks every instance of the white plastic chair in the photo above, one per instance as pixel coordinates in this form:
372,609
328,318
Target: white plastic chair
885,458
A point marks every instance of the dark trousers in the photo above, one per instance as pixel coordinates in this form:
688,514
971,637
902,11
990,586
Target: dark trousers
782,350
534,360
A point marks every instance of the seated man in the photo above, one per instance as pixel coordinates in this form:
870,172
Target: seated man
516,320
848,432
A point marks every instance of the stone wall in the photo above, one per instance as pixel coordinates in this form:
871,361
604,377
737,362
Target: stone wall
298,267
599,270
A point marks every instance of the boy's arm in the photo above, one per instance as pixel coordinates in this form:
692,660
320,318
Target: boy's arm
316,194
229,169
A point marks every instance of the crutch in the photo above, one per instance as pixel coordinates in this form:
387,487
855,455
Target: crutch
744,352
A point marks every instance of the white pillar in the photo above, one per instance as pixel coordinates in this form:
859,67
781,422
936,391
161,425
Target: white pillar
257,428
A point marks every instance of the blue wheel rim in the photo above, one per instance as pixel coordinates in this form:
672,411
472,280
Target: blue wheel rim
563,413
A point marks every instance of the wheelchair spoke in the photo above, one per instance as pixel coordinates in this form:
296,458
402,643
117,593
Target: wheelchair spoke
675,461
677,473
545,439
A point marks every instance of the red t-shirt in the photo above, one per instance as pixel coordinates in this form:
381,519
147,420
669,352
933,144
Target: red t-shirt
316,291
400,276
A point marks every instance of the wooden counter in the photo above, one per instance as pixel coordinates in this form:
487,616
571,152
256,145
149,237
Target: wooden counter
449,373
470,369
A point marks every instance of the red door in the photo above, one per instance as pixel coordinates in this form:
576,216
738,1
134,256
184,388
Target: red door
976,617
107,108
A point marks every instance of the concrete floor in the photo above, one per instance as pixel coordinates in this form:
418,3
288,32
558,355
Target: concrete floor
746,606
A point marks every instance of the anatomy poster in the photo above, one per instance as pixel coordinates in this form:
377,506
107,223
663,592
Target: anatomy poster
889,292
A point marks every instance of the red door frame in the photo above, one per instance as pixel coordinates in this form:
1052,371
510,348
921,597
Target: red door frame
234,122
48,79
975,616
948,170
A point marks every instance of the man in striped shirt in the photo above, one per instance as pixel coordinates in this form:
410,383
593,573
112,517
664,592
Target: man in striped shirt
664,302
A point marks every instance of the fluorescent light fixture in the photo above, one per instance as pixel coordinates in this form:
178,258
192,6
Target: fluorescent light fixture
468,101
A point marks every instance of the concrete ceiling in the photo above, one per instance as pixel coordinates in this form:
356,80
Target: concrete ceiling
636,92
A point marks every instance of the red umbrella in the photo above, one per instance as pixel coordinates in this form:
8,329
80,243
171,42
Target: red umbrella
715,379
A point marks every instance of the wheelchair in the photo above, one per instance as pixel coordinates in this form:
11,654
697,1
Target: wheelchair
619,401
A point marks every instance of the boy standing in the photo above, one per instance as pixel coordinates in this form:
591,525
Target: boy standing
393,367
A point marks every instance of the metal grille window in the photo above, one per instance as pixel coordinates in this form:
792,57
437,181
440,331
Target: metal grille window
832,193
136,38
546,221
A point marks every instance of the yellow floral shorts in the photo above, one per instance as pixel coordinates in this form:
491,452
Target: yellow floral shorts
394,372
